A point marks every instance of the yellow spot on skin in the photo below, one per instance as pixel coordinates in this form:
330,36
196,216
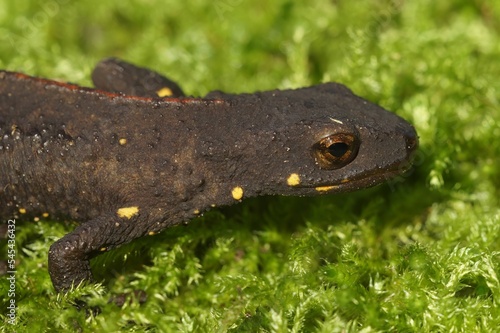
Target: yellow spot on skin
293,179
196,211
45,215
325,188
103,249
344,181
151,233
22,210
164,92
36,219
237,193
127,212
213,205
123,141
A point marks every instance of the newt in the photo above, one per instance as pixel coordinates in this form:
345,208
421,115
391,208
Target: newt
135,155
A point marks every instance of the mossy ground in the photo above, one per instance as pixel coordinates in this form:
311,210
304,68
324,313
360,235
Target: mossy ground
421,254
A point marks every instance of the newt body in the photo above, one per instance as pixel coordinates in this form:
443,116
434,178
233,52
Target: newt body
127,166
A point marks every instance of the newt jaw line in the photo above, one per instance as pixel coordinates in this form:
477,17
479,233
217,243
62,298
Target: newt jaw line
355,183
361,180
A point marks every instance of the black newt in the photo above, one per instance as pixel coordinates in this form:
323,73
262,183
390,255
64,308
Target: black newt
136,156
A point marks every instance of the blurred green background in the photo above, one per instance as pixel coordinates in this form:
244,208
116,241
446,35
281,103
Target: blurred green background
420,254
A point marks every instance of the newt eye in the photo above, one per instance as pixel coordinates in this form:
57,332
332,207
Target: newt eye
335,151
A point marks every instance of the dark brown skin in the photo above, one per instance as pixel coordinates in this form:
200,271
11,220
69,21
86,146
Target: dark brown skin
129,166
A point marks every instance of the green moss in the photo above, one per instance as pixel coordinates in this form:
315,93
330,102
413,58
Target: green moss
420,254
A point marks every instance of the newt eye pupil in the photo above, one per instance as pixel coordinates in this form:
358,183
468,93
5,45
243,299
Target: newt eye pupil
338,149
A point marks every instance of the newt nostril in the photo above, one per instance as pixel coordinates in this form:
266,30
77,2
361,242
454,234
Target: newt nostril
411,139
411,143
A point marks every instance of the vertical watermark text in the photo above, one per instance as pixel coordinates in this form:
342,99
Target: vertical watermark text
11,271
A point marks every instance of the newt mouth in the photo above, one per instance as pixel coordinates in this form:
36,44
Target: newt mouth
365,181
360,182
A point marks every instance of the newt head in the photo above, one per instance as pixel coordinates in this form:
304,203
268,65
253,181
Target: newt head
328,140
